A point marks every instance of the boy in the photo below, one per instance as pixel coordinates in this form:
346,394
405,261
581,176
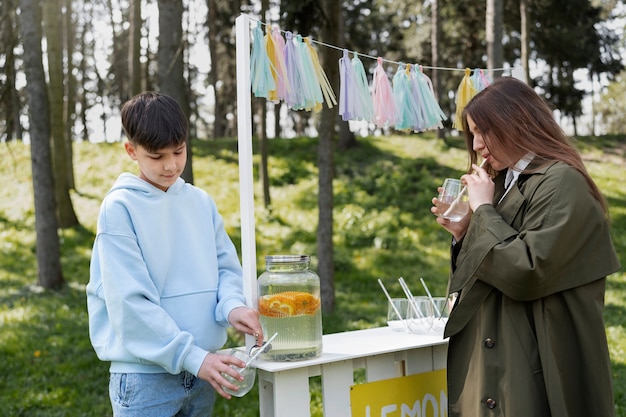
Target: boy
165,279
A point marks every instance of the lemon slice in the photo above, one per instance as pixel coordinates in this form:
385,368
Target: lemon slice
288,303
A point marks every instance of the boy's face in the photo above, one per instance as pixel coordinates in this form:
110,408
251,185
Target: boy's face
160,168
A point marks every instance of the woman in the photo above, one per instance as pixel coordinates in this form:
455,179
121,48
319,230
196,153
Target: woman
529,264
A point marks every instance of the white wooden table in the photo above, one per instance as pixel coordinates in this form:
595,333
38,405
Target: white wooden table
284,386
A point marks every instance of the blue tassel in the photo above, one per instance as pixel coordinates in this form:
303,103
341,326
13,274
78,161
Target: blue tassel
261,76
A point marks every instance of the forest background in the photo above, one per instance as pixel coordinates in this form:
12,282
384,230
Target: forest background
67,65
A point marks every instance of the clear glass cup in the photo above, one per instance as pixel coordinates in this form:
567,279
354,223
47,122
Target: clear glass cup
393,321
442,312
420,315
248,373
452,202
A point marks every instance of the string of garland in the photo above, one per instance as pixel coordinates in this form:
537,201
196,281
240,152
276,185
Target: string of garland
288,70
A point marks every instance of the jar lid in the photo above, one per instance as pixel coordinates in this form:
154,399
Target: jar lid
286,258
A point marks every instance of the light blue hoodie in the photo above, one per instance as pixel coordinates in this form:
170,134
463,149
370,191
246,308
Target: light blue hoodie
164,277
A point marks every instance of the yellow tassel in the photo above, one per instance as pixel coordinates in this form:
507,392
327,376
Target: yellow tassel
270,49
464,94
327,89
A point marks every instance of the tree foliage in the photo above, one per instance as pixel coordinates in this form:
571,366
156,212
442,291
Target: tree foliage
566,39
566,36
100,52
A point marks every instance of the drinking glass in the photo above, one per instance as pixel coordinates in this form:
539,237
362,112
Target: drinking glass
248,373
393,321
420,315
441,313
452,202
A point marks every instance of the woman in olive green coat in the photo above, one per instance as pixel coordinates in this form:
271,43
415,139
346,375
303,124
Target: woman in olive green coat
529,264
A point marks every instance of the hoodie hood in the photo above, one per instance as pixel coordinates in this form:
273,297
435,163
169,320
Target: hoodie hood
131,182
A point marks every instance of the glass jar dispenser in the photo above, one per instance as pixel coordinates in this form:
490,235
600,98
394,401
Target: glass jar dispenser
289,304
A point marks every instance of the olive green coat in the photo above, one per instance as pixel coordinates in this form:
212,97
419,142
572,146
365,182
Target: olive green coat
527,337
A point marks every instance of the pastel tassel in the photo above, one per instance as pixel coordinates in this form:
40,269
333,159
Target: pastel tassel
313,91
382,97
270,49
295,97
261,76
277,64
362,92
464,94
283,86
433,114
418,110
480,80
402,93
348,105
322,79
305,92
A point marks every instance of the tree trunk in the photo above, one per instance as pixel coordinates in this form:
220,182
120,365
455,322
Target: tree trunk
494,37
435,37
347,139
134,50
278,132
214,74
171,65
52,16
71,92
523,11
82,69
9,95
325,158
118,66
47,247
263,141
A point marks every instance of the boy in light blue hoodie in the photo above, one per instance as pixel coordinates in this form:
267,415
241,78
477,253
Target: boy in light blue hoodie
165,278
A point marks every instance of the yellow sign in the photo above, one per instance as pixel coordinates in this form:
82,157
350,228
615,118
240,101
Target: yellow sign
419,395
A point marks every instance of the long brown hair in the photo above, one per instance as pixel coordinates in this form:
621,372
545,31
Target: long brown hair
514,121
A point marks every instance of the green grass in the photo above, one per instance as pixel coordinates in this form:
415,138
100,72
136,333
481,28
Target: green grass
383,229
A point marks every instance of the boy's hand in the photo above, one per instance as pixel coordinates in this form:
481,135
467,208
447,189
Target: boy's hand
214,365
246,320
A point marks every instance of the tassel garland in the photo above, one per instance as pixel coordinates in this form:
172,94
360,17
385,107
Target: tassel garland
288,69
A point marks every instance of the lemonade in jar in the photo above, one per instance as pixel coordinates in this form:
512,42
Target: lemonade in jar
289,304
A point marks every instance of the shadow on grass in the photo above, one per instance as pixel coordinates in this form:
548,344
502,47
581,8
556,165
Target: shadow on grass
44,343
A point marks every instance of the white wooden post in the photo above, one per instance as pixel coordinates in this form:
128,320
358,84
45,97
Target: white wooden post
246,181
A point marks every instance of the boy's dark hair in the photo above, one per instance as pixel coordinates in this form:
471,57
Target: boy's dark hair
154,121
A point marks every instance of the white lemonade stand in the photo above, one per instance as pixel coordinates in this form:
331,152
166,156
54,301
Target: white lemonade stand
404,373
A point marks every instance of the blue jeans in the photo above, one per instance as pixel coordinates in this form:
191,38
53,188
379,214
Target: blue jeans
160,395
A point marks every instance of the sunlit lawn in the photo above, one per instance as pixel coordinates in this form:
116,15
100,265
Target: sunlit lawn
383,229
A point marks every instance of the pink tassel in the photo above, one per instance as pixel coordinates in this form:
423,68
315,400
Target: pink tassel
275,46
385,112
283,86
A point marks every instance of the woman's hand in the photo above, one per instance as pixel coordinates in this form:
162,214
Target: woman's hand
457,229
480,187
